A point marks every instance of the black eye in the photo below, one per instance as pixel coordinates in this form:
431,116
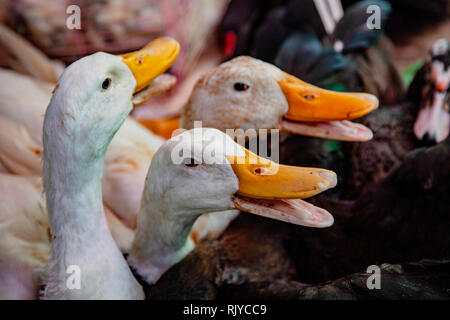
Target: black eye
191,163
106,83
239,86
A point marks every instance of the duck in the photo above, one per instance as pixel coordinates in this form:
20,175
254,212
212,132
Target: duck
80,122
421,119
393,221
24,240
21,144
25,236
159,58
22,113
433,119
422,280
333,50
247,93
206,171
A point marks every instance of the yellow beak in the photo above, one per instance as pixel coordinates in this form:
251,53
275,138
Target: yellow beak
151,61
275,191
264,179
312,104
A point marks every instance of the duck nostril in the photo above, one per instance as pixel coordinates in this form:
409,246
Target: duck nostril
309,97
259,170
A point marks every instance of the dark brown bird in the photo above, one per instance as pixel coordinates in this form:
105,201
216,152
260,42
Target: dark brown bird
423,119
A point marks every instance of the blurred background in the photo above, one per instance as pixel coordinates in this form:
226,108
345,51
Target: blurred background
209,32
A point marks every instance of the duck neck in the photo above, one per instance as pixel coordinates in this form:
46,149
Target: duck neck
85,262
162,238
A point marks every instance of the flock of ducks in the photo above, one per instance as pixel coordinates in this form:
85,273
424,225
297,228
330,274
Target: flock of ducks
111,199
80,123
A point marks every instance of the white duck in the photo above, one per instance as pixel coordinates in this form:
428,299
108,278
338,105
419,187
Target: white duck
24,238
203,170
25,235
92,100
21,119
22,114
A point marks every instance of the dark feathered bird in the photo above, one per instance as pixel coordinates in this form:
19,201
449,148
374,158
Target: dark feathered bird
422,119
423,280
238,23
291,36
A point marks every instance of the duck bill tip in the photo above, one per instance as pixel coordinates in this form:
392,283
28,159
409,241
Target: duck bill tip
151,61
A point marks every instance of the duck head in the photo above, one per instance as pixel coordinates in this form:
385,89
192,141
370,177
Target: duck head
95,94
433,120
203,170
247,93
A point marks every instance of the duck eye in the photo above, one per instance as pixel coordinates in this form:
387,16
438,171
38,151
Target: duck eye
191,163
106,83
239,86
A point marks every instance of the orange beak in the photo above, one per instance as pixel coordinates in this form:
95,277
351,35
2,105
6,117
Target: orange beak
273,190
151,61
323,113
264,179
